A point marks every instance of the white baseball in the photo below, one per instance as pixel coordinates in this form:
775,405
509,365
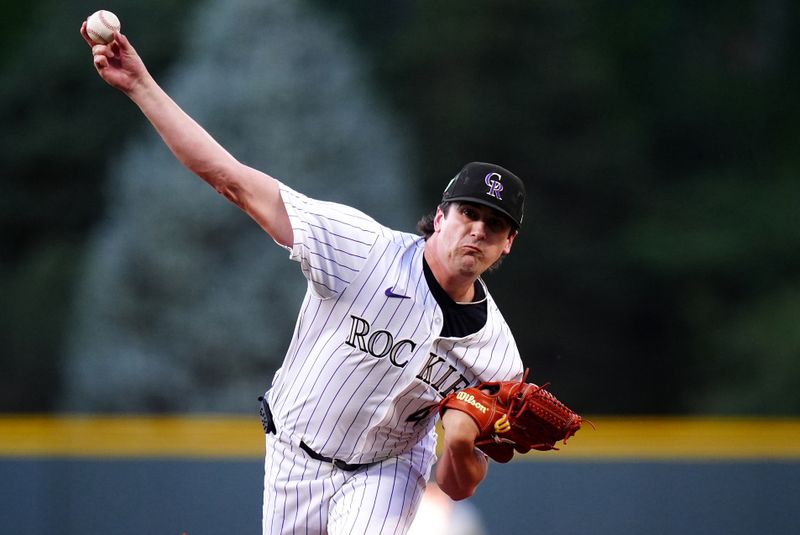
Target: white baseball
101,26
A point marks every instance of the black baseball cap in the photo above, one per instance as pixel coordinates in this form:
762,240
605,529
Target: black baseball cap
490,185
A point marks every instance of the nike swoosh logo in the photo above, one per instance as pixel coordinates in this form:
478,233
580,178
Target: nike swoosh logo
390,293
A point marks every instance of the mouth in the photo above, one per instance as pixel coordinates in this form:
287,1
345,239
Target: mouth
471,249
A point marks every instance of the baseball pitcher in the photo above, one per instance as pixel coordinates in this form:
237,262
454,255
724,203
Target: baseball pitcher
395,330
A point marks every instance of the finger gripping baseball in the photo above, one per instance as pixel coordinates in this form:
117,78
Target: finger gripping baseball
514,416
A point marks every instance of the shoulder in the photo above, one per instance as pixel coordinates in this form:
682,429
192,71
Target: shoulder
301,205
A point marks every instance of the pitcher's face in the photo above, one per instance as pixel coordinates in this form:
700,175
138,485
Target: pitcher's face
473,237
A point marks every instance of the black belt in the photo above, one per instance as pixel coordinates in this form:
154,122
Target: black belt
341,465
269,428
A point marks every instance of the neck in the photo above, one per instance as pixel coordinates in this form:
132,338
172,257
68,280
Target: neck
461,289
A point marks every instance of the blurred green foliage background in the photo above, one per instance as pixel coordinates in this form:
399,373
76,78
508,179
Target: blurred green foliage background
658,270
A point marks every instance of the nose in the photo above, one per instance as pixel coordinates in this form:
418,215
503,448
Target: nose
478,229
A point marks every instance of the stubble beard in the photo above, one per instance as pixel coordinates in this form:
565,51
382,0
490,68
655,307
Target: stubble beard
470,264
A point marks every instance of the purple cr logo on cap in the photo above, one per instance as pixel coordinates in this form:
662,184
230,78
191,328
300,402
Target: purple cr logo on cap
495,187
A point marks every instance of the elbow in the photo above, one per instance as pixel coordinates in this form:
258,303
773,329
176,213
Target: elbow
460,494
225,183
456,488
232,193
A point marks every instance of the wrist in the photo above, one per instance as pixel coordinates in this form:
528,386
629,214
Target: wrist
460,426
141,88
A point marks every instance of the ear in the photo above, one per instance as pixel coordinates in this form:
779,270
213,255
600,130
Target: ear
437,220
510,242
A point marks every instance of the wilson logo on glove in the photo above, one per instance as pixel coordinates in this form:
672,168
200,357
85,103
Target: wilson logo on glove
502,426
470,399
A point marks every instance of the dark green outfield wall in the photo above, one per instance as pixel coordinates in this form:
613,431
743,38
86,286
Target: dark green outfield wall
135,497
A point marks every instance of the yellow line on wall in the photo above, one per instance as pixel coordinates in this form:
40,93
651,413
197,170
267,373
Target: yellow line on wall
213,437
131,436
673,438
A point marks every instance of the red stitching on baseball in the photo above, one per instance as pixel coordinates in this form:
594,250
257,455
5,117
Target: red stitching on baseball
103,20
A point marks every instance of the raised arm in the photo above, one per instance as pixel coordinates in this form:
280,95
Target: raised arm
253,191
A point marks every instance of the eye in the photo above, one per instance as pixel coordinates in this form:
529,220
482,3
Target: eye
497,225
470,212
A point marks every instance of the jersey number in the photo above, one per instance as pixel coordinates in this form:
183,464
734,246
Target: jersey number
422,414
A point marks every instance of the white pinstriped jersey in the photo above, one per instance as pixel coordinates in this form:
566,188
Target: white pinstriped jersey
366,365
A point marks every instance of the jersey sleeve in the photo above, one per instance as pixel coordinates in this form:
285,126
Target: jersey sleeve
331,240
